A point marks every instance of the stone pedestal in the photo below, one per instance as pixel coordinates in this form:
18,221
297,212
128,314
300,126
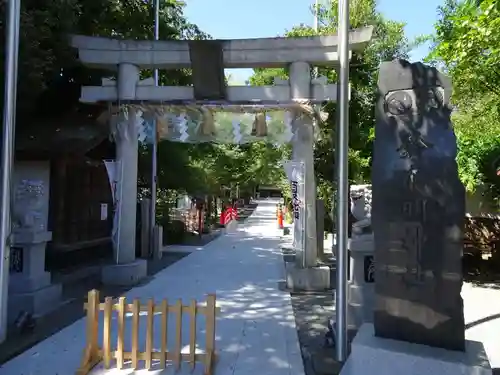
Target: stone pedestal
307,279
231,227
361,287
374,355
30,288
126,274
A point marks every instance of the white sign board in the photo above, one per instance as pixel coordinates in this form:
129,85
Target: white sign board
104,211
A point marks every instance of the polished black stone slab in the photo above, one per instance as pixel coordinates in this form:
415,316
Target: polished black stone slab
418,209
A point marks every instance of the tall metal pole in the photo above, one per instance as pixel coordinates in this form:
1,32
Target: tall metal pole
17,21
154,151
316,28
157,31
316,11
342,182
9,119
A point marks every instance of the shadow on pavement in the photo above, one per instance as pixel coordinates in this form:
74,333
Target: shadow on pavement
74,294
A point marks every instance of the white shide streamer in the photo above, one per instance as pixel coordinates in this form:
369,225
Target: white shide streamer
237,131
182,127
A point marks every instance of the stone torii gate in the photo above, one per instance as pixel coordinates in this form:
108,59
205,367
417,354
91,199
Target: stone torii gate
128,57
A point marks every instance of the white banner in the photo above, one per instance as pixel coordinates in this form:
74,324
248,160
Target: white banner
295,173
113,169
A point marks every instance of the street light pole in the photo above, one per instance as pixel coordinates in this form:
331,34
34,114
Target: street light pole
157,31
154,151
316,28
342,182
316,11
9,119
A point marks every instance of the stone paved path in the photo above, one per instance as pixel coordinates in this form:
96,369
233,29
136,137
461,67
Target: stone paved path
256,332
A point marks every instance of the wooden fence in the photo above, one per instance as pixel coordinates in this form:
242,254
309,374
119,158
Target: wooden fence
93,354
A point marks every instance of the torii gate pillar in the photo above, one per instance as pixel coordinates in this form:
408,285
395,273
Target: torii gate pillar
127,270
303,151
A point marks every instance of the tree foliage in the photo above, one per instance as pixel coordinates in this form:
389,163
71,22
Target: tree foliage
466,45
50,77
49,74
389,42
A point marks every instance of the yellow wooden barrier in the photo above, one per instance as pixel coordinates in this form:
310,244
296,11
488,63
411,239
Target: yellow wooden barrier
93,354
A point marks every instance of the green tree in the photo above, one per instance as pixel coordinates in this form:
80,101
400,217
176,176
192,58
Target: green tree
247,165
50,77
49,74
389,42
466,45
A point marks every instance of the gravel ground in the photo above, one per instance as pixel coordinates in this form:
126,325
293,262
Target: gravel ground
312,311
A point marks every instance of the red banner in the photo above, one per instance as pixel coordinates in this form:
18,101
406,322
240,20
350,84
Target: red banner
228,215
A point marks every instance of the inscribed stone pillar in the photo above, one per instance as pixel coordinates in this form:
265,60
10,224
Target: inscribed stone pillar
30,287
300,86
418,209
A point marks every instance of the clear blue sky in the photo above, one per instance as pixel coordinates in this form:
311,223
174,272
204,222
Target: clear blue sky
231,19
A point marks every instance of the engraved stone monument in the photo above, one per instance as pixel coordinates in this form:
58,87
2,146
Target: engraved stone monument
418,216
418,209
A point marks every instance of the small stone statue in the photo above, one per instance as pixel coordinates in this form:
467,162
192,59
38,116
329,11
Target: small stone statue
361,199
